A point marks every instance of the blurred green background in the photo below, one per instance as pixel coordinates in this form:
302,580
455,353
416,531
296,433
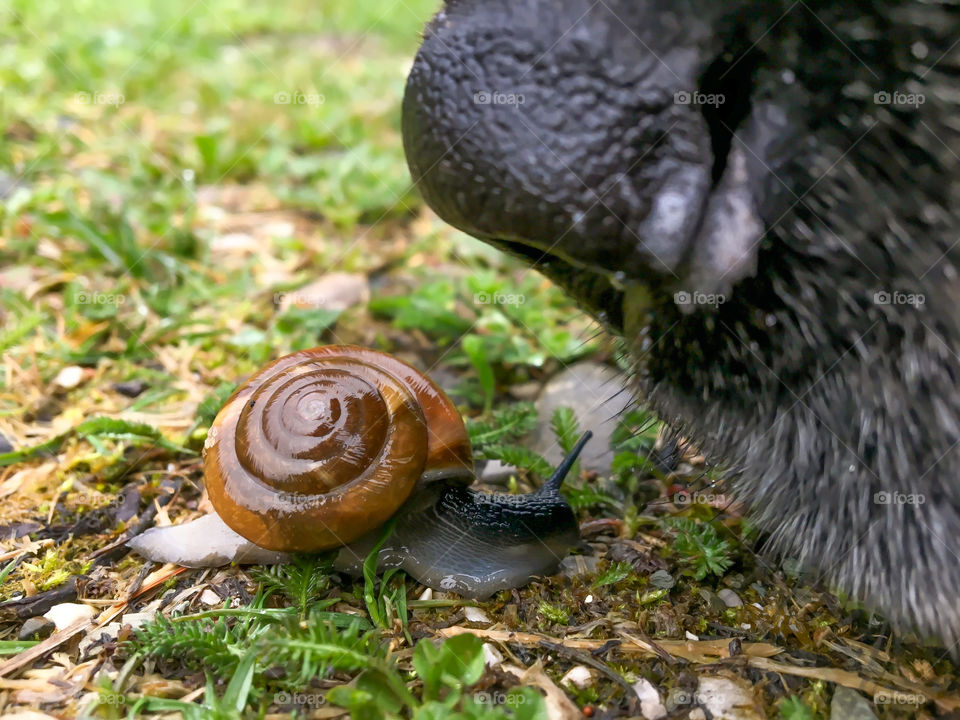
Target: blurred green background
169,169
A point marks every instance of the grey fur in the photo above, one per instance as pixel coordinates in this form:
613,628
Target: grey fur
822,380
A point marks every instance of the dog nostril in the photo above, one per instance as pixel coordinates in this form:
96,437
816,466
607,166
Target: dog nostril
724,99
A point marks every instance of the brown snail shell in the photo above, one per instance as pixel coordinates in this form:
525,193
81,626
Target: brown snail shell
324,445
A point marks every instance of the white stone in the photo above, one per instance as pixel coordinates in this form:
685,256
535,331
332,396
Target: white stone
336,291
579,676
474,614
209,597
205,542
725,699
66,614
69,377
598,396
650,704
491,656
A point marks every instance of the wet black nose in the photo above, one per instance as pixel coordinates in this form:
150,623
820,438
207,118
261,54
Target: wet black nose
556,126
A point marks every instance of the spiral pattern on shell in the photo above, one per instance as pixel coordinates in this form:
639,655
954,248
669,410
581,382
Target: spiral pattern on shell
326,444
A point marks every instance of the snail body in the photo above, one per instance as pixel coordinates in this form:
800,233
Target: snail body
322,447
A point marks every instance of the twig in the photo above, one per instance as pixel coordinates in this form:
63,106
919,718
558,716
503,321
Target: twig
633,702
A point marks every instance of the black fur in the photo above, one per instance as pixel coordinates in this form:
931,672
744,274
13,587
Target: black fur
824,217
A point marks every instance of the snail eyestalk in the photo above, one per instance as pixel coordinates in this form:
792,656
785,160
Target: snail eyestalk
323,447
553,483
476,543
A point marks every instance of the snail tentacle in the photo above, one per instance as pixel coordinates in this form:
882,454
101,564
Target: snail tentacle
476,543
322,447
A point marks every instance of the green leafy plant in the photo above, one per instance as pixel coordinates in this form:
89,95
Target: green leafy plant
302,581
700,547
612,575
446,671
633,441
554,613
504,425
793,708
496,437
96,431
385,604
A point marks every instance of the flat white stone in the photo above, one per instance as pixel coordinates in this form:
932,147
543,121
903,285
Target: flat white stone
66,614
598,396
204,542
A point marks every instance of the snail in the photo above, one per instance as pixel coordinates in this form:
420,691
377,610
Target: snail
322,447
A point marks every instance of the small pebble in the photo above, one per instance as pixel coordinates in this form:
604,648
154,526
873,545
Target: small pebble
128,505
5,444
235,242
662,579
474,614
279,229
336,291
727,699
730,598
66,614
690,636
69,377
131,388
36,628
209,597
525,391
491,656
579,676
848,704
137,619
712,600
574,566
651,706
